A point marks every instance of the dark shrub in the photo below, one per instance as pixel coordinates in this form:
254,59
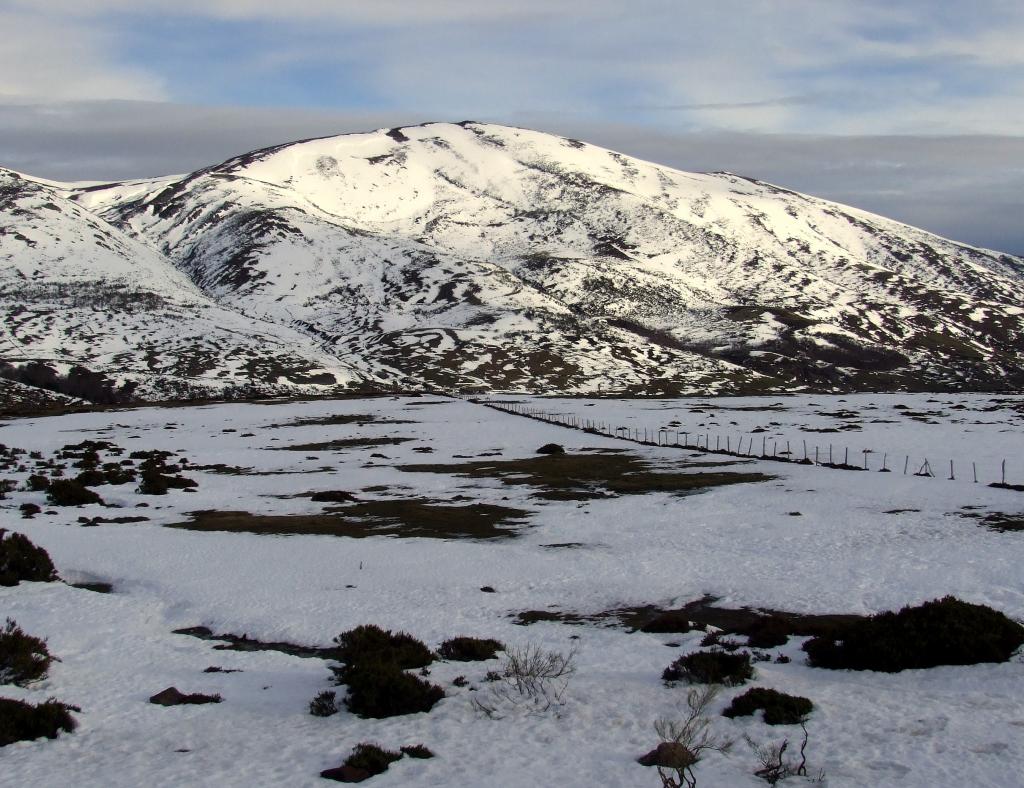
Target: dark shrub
381,689
37,482
419,751
711,667
779,708
332,496
768,632
941,632
172,696
372,758
21,721
153,483
70,492
670,621
22,560
115,473
365,761
23,658
551,448
466,649
91,478
324,704
370,643
29,510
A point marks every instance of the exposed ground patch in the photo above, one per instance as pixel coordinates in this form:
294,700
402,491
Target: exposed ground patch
699,614
342,444
359,419
580,476
404,518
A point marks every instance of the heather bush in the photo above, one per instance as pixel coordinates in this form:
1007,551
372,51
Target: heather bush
371,643
70,492
22,560
468,649
382,689
941,632
20,721
324,704
779,708
23,658
711,667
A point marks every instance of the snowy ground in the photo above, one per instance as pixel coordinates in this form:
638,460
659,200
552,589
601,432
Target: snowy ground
845,552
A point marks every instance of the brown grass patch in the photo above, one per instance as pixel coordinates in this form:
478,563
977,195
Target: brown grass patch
403,518
578,477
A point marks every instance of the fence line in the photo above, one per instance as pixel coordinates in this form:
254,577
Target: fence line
664,437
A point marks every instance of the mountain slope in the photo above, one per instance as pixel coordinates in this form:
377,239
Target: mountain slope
477,256
76,292
472,254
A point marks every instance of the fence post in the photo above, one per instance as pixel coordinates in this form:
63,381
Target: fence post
974,466
951,476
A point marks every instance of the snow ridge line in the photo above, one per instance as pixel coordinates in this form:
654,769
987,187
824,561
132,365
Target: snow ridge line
632,435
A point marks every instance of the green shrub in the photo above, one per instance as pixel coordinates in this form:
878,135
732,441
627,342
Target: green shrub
941,632
70,492
22,560
382,689
371,643
325,704
711,667
779,708
467,649
20,721
23,658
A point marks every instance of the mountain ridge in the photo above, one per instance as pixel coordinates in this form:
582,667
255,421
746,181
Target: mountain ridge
480,257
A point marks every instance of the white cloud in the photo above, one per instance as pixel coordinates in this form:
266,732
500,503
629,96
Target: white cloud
55,58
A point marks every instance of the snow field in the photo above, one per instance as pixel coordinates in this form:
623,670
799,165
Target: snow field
945,726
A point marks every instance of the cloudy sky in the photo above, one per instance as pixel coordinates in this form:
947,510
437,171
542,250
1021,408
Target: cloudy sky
911,108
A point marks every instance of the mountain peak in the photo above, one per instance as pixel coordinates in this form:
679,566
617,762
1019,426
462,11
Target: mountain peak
484,256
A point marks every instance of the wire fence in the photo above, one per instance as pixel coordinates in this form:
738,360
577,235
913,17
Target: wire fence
766,449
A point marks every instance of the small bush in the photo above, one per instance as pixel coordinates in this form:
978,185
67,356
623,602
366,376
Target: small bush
418,751
325,704
70,492
23,658
779,708
768,632
551,448
467,649
382,689
37,482
711,667
941,632
20,721
372,758
365,761
29,510
370,643
668,622
22,560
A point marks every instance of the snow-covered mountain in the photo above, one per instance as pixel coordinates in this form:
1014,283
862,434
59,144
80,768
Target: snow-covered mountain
480,256
75,291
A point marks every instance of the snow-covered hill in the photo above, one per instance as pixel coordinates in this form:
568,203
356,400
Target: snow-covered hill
75,291
480,256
